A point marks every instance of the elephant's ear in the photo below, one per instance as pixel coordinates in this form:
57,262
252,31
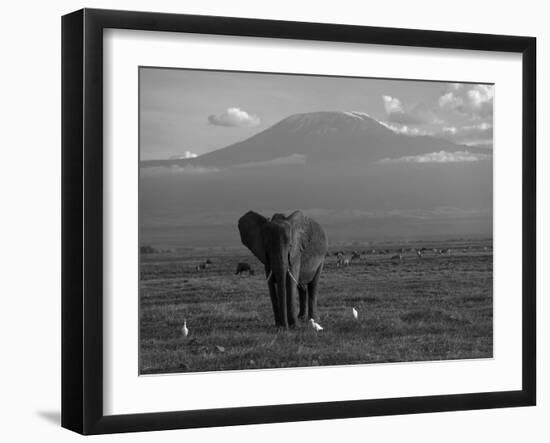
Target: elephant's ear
250,228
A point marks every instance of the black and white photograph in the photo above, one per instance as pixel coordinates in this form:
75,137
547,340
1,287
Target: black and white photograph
299,220
257,222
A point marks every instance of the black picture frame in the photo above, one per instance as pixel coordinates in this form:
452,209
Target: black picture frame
82,220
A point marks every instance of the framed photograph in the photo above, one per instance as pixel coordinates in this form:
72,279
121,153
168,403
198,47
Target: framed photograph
269,221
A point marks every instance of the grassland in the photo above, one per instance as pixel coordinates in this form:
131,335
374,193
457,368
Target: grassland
437,307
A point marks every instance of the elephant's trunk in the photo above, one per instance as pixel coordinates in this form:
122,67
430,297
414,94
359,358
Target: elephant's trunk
281,299
279,270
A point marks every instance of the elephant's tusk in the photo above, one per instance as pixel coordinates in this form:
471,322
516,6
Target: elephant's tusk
269,275
292,277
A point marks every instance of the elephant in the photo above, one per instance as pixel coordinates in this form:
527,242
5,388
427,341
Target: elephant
292,250
244,267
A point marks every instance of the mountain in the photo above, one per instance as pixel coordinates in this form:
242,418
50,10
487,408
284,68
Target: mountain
328,165
319,137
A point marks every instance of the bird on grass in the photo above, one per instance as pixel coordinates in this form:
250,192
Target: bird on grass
355,313
184,329
315,325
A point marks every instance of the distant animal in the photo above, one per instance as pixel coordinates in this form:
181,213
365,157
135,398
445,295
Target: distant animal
354,313
208,261
147,250
343,261
355,255
316,326
292,250
419,253
244,267
445,252
397,257
184,329
202,266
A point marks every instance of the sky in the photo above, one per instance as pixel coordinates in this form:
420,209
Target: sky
187,113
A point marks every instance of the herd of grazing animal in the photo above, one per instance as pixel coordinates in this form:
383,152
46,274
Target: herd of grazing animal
397,255
343,259
293,250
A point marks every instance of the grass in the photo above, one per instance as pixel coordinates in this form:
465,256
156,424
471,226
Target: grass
433,308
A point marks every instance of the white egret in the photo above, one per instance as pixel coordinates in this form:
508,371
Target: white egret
355,313
315,325
184,329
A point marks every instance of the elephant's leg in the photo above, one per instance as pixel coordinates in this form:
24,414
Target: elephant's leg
312,288
291,296
302,292
273,296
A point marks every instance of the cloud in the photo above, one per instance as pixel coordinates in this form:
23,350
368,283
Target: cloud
438,157
357,114
173,170
480,95
406,129
392,104
481,133
234,117
185,155
156,171
462,113
475,101
397,114
470,134
450,100
294,159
